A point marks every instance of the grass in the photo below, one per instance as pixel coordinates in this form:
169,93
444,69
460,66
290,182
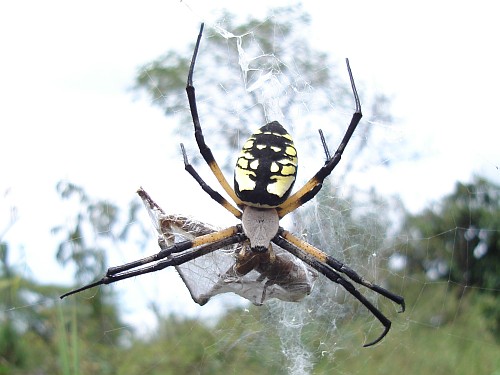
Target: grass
439,335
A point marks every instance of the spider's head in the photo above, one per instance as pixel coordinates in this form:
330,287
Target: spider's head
260,226
266,167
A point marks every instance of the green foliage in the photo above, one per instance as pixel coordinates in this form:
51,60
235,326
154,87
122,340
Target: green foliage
458,239
188,346
439,333
433,341
12,351
47,336
271,45
247,342
97,226
18,291
456,242
238,64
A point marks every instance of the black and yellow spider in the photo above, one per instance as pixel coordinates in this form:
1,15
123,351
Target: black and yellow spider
264,175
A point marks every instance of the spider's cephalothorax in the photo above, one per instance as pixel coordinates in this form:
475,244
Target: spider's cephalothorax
263,178
266,167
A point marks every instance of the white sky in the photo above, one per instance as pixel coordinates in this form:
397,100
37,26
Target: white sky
65,112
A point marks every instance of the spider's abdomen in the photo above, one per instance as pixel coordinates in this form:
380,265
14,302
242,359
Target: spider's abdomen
266,167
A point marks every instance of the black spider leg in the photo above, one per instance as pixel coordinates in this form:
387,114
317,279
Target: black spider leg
337,278
325,146
340,267
215,195
188,253
314,185
198,133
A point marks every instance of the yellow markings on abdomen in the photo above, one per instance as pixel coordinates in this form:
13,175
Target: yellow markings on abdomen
242,163
289,170
281,184
246,179
291,151
254,164
266,167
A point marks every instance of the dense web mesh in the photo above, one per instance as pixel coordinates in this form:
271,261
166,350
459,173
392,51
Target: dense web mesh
280,91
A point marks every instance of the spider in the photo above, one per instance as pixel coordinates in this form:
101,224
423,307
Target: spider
264,175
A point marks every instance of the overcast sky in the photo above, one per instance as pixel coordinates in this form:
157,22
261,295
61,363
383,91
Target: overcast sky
66,111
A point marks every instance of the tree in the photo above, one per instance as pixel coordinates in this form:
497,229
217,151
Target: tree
458,240
252,73
249,74
40,334
97,226
15,291
98,219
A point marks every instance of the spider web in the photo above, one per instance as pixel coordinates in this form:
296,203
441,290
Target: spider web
309,331
328,326
263,77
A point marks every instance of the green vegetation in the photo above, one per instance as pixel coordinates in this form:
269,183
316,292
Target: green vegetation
448,328
449,274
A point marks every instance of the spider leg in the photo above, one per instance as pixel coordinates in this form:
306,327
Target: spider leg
213,193
313,186
200,139
177,248
316,261
325,146
341,267
188,250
